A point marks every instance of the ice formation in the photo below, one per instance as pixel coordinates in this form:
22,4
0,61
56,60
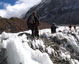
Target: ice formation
48,49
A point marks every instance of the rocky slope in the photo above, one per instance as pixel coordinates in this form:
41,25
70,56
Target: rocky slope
59,11
17,25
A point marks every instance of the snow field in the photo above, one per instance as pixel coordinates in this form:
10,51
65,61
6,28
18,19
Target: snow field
19,49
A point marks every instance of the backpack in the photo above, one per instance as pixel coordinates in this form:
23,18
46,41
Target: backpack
31,20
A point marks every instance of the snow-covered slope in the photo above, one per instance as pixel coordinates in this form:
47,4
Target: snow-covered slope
58,48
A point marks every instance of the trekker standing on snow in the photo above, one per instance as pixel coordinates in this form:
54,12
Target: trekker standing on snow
53,28
75,28
70,27
33,24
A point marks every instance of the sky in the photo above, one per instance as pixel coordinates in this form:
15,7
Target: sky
16,8
2,2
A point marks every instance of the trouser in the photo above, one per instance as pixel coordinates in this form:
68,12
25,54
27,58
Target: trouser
35,32
53,31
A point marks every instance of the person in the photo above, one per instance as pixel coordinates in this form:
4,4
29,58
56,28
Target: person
75,27
53,28
70,27
33,24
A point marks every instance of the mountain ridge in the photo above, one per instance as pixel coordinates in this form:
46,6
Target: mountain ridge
58,11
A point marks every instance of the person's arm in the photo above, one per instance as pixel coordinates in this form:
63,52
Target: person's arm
37,21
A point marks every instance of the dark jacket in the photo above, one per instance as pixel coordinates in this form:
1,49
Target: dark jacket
53,28
32,21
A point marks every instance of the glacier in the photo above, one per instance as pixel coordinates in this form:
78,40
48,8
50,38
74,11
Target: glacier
61,47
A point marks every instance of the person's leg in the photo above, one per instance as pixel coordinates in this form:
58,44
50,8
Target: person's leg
32,32
36,32
53,30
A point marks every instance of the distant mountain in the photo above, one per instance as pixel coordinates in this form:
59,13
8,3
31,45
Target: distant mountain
59,11
17,25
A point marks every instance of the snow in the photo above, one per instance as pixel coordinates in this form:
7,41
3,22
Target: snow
19,52
50,50
73,61
25,50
